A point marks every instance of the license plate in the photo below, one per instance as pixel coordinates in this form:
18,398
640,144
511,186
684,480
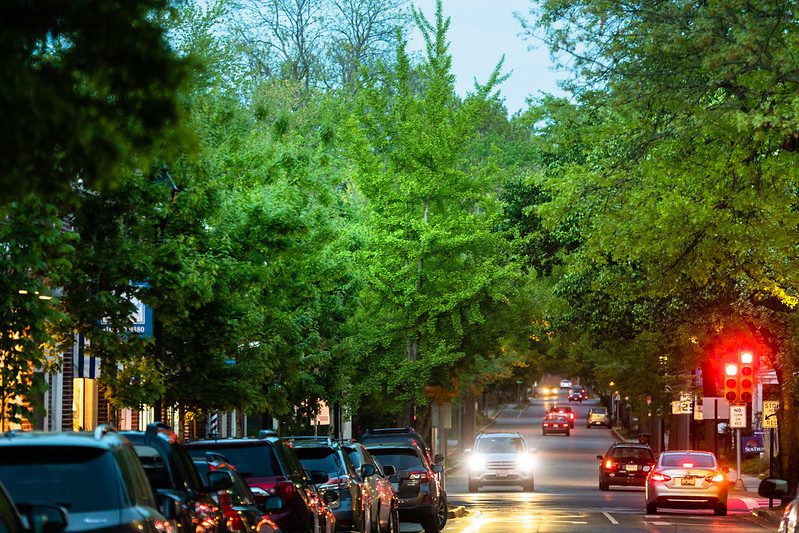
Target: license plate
631,468
502,473
688,482
395,486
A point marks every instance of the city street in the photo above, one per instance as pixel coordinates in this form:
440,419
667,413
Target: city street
566,496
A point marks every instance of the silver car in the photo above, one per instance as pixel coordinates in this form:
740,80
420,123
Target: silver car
688,480
501,459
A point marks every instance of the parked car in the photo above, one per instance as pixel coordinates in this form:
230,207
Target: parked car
687,479
597,416
778,489
241,512
64,478
555,423
416,482
277,479
53,516
405,435
501,459
625,464
380,496
565,411
183,497
326,456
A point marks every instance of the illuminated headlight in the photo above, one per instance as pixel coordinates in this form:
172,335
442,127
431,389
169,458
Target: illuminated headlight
477,462
526,462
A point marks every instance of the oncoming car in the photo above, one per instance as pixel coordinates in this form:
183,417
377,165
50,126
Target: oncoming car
565,384
688,480
501,459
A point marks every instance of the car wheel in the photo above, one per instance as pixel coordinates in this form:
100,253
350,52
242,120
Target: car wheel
568,433
652,508
473,486
443,512
588,426
394,527
430,524
544,433
720,510
603,485
529,485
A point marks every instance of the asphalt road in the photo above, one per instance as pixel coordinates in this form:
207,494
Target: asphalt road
567,497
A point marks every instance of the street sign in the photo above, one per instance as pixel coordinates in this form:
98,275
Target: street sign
698,411
770,413
737,416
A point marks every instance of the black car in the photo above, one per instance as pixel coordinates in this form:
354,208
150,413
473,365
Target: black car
625,464
242,513
325,456
92,481
277,479
183,496
417,483
406,435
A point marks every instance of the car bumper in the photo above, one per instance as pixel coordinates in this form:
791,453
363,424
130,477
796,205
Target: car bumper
604,423
489,477
686,498
556,430
629,479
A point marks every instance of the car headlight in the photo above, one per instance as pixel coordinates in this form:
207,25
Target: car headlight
477,462
526,462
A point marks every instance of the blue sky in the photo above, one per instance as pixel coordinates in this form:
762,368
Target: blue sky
480,32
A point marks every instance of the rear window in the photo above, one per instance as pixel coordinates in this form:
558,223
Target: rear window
679,459
636,454
254,459
399,458
499,445
81,479
321,460
354,456
599,411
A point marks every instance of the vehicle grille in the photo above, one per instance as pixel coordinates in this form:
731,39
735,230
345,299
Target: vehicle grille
505,465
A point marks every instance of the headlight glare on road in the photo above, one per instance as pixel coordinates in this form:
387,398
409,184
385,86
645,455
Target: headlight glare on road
477,462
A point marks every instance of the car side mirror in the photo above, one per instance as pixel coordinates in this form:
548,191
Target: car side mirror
330,496
318,477
773,488
272,504
166,503
389,470
219,480
437,469
439,458
47,518
599,457
367,470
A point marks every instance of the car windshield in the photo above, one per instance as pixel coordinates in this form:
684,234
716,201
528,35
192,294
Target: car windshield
399,458
499,445
321,460
81,479
697,460
630,453
255,459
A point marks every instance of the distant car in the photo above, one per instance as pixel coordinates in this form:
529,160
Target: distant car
555,423
565,384
241,512
626,464
381,498
597,416
416,482
687,479
566,411
501,459
577,394
185,498
86,480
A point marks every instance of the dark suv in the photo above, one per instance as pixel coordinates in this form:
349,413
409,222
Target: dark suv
625,464
95,476
277,479
416,482
183,497
324,456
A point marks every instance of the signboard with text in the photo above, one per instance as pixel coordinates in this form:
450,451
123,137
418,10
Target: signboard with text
770,408
737,416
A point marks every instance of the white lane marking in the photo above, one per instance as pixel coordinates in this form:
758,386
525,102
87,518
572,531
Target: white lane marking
612,520
658,523
520,413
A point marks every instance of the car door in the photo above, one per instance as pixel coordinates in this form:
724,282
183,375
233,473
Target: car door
382,487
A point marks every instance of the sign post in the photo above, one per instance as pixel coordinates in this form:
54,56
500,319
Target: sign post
770,421
738,421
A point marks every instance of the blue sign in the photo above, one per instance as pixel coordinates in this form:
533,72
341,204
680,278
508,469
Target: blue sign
141,320
753,443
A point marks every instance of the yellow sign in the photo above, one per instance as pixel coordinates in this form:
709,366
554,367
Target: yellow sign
770,408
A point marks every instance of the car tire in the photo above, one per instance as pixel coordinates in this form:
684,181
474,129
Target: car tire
568,433
443,512
544,433
529,486
588,426
720,510
603,486
393,521
473,487
652,508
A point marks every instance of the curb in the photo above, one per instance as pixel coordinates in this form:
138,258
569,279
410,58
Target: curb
772,516
457,512
620,437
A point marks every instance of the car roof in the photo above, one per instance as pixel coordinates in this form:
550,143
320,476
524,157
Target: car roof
686,452
105,440
500,434
393,446
232,440
631,445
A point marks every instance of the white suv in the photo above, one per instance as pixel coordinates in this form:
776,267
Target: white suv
565,384
501,459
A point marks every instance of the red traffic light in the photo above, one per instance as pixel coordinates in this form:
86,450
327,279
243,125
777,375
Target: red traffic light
731,396
746,397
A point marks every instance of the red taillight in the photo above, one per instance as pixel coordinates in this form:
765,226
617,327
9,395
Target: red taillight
659,476
234,522
422,476
609,465
571,415
718,478
285,489
565,425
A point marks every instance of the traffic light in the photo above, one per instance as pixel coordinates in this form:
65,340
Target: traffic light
747,381
731,384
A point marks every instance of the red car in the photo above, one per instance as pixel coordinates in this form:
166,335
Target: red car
555,423
565,411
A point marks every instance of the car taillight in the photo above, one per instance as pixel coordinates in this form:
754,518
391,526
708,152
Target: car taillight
659,476
565,425
718,478
571,415
609,465
422,476
285,489
233,519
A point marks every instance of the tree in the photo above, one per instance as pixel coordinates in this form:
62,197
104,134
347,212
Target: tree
88,90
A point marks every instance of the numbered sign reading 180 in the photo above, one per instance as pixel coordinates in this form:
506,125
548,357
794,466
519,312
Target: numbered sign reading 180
737,416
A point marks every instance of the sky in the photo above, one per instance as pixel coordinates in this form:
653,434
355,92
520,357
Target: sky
480,32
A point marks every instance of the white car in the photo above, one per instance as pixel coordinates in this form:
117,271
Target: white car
565,384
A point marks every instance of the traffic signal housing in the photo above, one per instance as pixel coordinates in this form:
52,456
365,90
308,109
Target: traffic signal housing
747,379
731,382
